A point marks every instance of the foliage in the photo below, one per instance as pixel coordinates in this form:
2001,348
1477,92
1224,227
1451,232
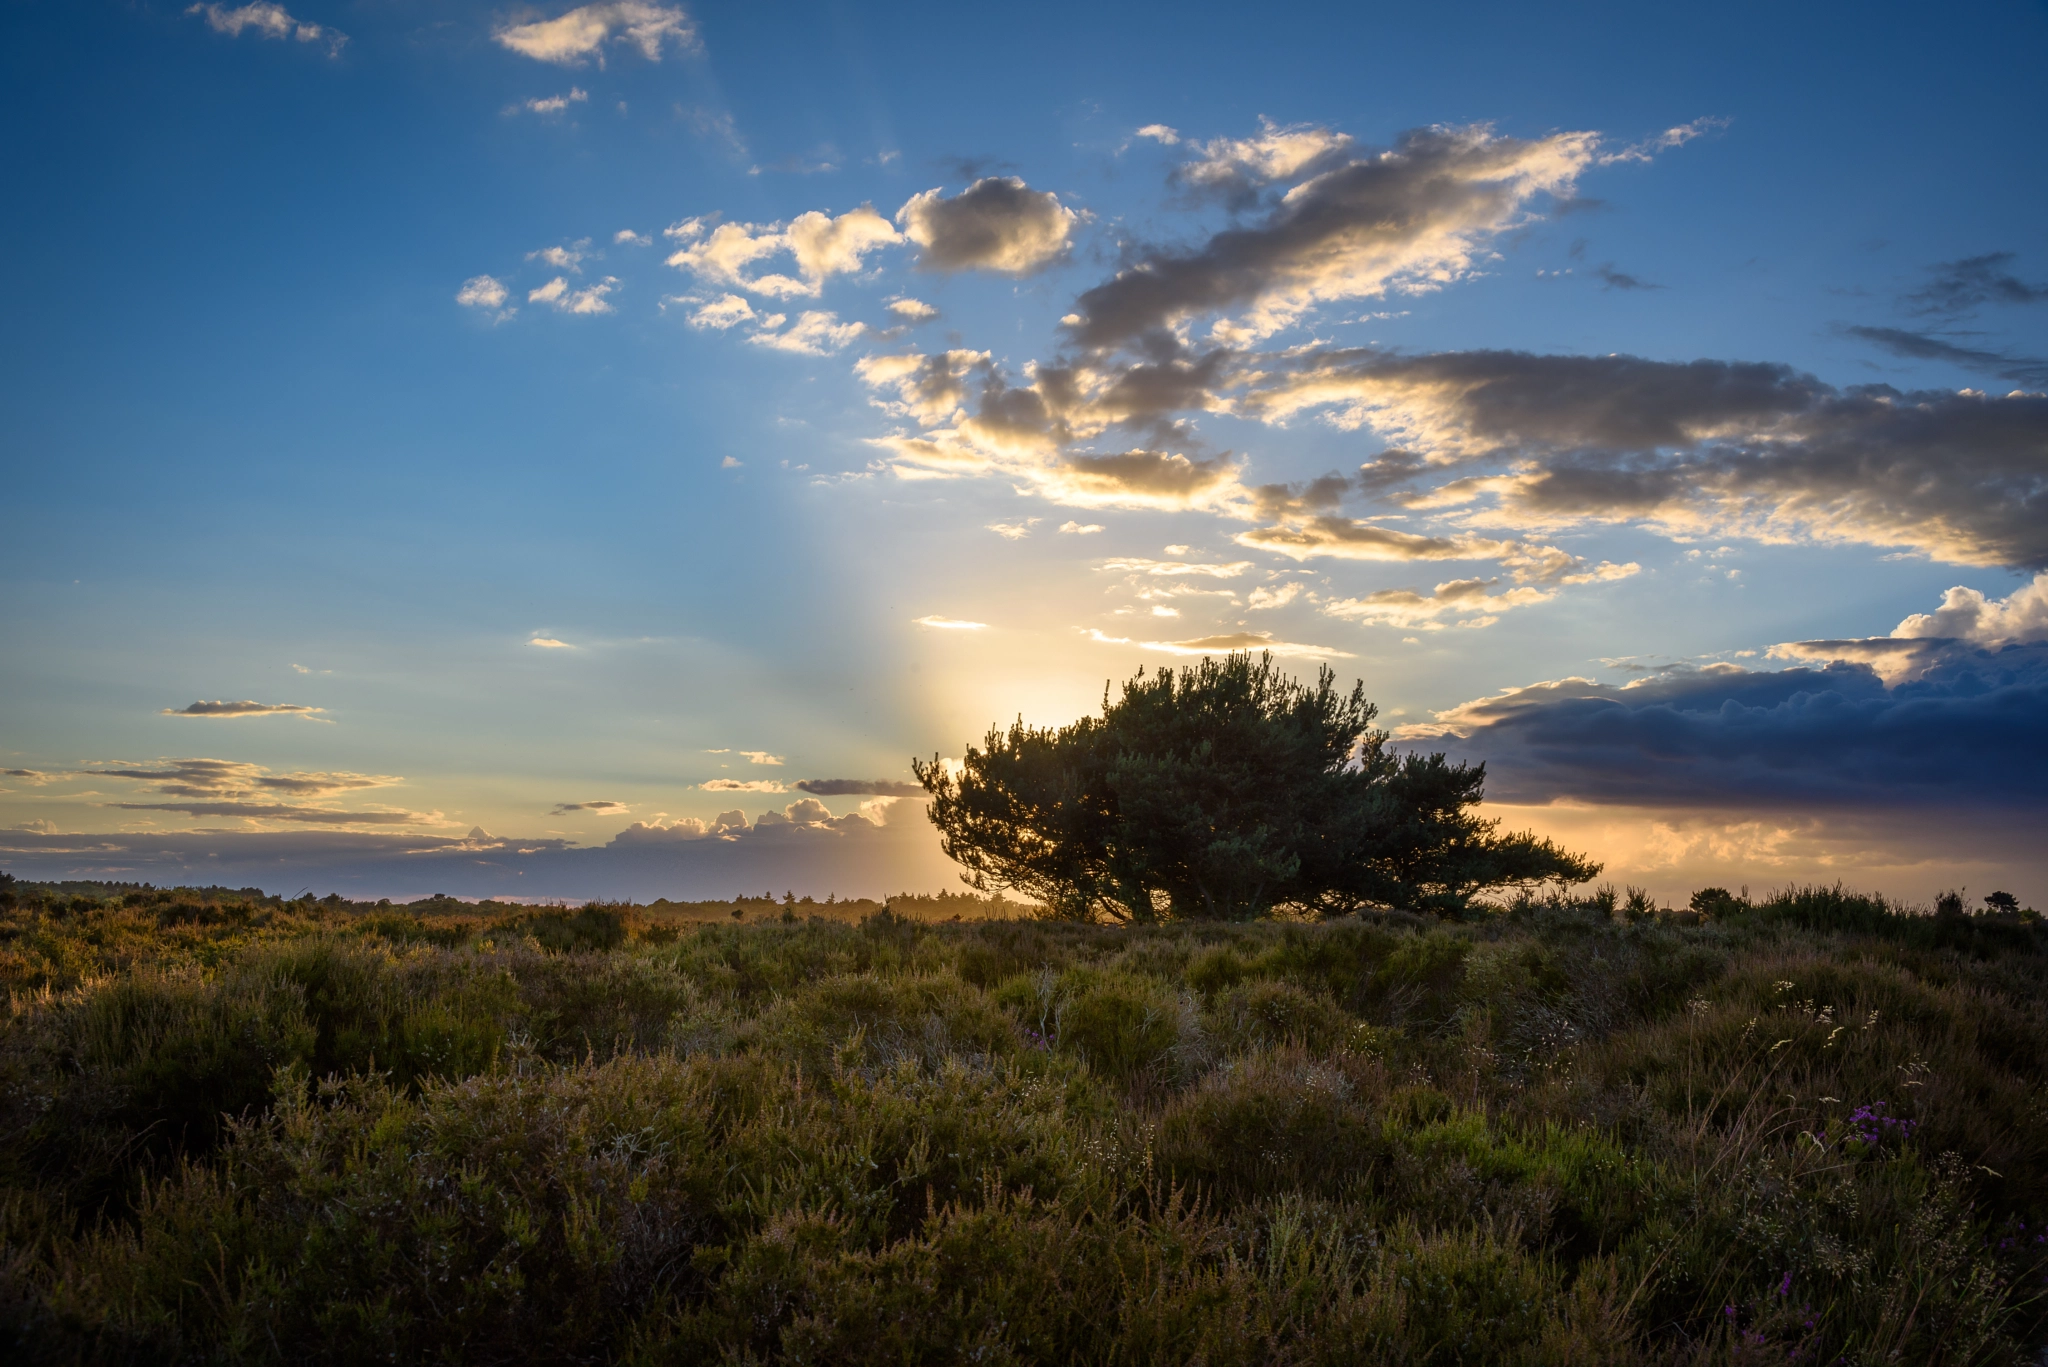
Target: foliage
1219,793
1809,1129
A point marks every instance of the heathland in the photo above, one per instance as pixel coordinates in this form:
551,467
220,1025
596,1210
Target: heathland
1807,1128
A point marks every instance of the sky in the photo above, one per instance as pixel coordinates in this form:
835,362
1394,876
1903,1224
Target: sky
553,452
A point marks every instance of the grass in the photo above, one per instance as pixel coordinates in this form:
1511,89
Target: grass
1811,1129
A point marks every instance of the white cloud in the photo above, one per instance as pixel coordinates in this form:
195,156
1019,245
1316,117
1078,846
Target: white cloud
824,246
1276,154
761,757
550,643
1464,599
626,237
1278,597
1013,531
1159,133
553,104
569,258
1225,644
1967,615
815,333
819,245
949,624
269,21
1174,568
913,310
1080,529
583,32
487,293
557,294
722,313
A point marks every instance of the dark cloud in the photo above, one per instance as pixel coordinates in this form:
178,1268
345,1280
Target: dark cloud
1414,211
996,224
1348,540
242,709
1706,447
564,808
230,778
1317,496
1972,731
1924,346
270,811
1959,286
850,855
1617,280
859,787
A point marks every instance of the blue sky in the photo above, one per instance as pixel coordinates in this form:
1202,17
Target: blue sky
258,449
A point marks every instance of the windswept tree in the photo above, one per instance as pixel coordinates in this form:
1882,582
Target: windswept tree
1219,793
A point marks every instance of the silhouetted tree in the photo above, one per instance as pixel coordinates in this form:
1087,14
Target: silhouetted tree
1218,793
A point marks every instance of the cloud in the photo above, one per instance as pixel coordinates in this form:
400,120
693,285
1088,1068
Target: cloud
1700,448
949,624
913,310
1277,597
583,32
1617,280
815,333
1079,528
996,224
1922,346
735,785
550,643
1411,611
723,312
1411,218
269,21
1012,531
872,852
1966,621
1159,133
1647,149
557,294
825,246
626,237
1959,286
230,778
569,258
1235,166
1224,644
487,293
216,787
553,104
1177,568
1971,732
857,787
818,245
242,709
276,811
1345,539
760,757
601,806
34,776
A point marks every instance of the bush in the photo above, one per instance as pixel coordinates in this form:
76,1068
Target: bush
1811,1129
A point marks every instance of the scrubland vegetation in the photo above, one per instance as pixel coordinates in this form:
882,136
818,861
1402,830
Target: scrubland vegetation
1812,1129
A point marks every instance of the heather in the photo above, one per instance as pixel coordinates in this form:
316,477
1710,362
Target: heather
1810,1127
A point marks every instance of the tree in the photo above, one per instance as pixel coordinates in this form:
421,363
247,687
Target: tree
1218,793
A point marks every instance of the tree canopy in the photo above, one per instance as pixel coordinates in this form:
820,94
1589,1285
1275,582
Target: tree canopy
1221,792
